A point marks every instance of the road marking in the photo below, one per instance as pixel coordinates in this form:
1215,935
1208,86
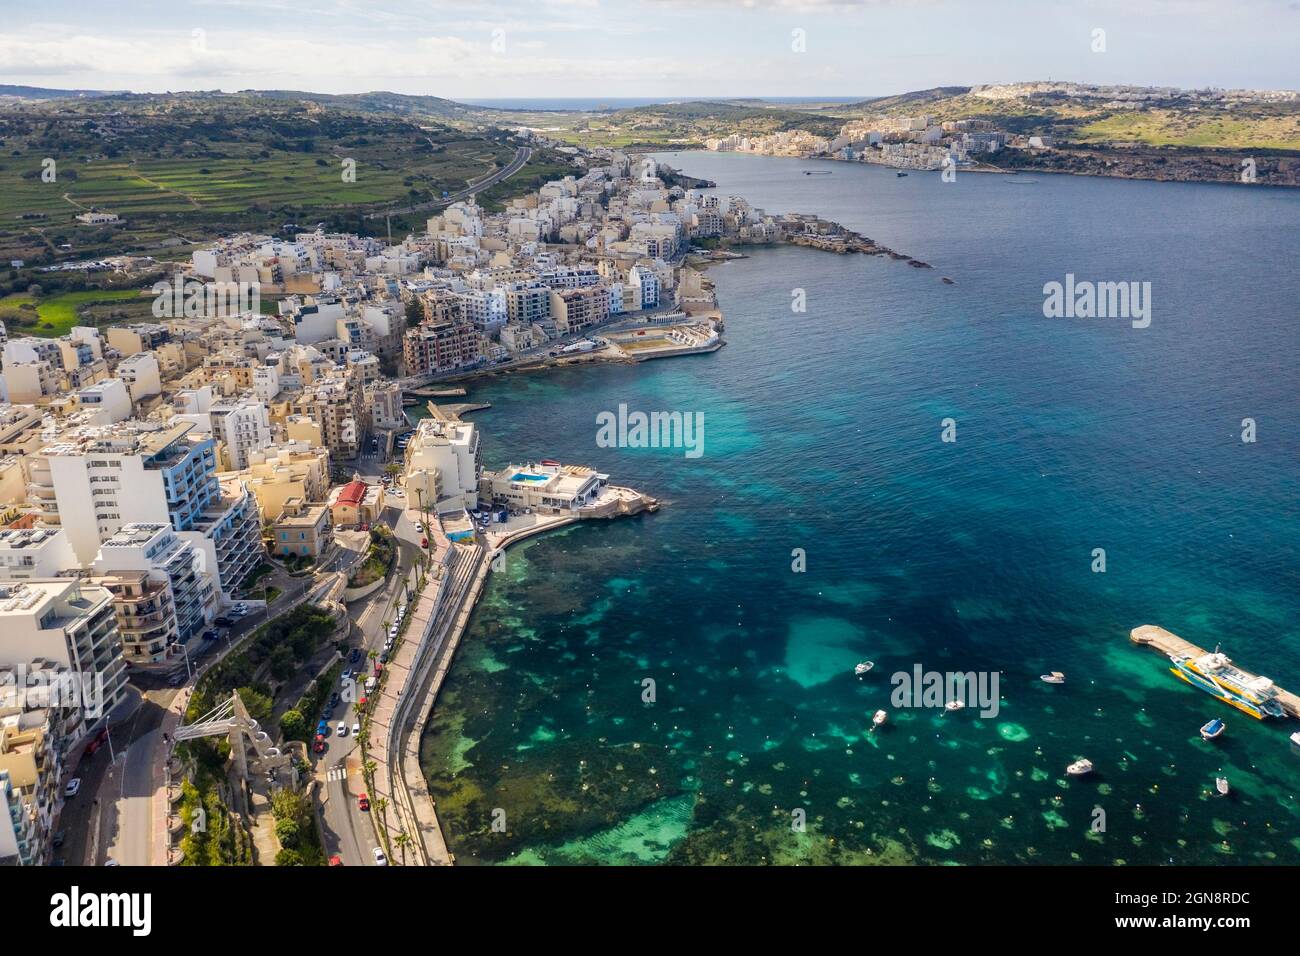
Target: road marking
337,773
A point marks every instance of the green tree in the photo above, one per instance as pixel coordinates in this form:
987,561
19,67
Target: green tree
293,725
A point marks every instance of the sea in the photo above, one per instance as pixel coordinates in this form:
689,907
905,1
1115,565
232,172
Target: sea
679,688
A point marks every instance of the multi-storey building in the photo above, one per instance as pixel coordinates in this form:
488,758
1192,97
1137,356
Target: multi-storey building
443,461
70,623
157,548
441,347
574,310
242,428
32,746
92,481
146,615
527,304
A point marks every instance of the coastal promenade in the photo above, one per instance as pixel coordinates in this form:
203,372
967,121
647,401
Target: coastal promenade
417,671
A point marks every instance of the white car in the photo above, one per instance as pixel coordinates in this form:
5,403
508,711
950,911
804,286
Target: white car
419,527
73,787
356,730
341,730
380,859
239,610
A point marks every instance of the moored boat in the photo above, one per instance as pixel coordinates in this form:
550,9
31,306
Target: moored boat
954,705
863,667
1079,767
1055,677
1221,785
1213,729
1215,674
1295,738
878,718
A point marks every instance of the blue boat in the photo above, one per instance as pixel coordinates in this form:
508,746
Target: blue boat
1213,729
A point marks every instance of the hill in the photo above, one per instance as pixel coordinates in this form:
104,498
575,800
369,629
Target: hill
181,167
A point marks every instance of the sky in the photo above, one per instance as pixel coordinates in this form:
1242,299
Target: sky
476,49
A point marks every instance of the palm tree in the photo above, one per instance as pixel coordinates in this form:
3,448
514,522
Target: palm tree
382,804
402,841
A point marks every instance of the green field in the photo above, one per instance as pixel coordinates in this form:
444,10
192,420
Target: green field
54,315
183,169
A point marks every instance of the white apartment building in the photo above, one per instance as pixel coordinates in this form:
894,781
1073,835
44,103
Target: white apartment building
35,553
156,547
70,623
442,466
141,374
242,428
106,402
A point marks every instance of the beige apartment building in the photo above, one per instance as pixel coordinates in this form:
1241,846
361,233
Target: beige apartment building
302,530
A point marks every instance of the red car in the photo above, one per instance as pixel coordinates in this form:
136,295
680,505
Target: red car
336,861
378,668
319,746
363,802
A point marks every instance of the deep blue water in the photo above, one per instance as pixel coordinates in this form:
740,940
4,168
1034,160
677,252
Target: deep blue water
823,434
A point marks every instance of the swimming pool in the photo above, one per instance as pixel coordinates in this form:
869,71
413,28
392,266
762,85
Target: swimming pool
521,476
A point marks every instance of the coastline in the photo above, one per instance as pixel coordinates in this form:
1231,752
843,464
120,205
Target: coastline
445,606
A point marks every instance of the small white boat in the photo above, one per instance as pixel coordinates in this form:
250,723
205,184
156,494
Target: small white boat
1213,729
878,718
1221,785
1295,738
1055,677
863,667
1079,767
954,705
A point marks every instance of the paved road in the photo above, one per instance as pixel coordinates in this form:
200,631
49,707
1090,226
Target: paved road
522,155
348,833
127,835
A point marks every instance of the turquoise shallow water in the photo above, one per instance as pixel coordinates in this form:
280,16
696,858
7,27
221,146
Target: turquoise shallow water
822,434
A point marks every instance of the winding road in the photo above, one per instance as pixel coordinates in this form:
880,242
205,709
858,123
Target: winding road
522,155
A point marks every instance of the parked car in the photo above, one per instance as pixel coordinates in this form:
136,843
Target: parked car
356,729
334,700
380,859
176,680
363,802
319,745
424,542
224,622
73,787
210,635
355,655
419,527
239,610
59,839
336,860
341,730
323,728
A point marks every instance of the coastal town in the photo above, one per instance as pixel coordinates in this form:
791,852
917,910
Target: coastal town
244,539
922,141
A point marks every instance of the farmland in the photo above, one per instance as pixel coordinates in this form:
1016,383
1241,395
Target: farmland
185,168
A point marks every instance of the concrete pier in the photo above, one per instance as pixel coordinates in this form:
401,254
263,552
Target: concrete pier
1168,643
